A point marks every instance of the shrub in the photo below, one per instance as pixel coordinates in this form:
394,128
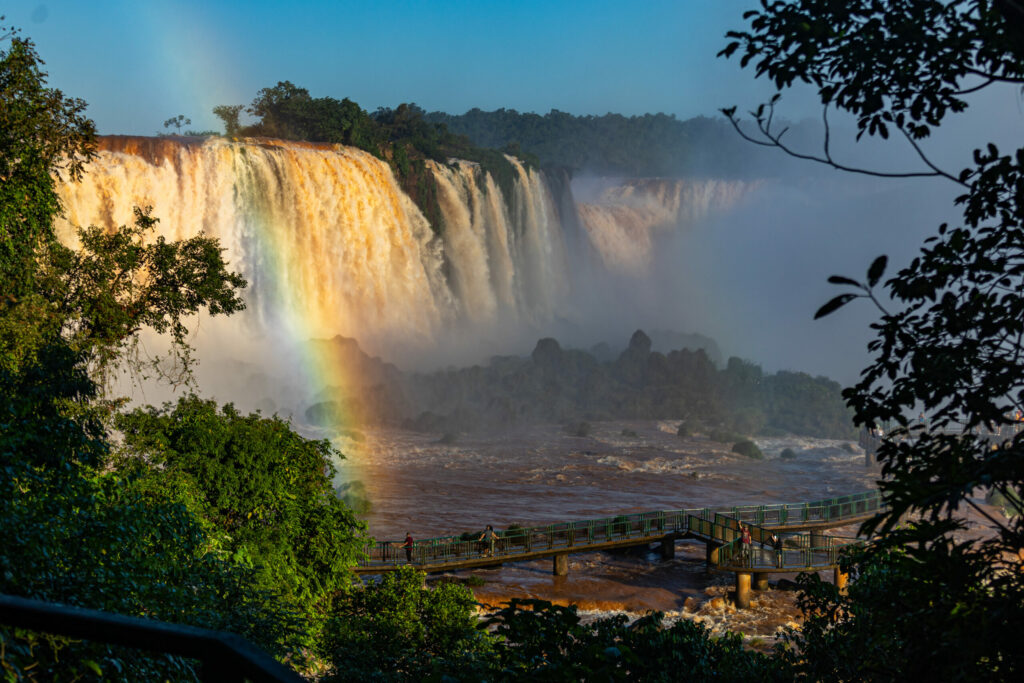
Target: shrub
748,448
787,454
475,581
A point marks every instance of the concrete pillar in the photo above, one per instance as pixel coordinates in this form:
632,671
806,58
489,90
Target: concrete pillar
839,578
668,547
561,564
710,556
817,538
761,582
742,590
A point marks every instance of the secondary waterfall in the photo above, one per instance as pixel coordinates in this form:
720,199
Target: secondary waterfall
623,222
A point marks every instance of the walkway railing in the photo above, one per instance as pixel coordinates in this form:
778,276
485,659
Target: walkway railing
720,525
223,657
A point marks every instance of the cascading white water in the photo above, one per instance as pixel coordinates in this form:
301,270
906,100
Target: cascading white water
328,241
624,221
331,245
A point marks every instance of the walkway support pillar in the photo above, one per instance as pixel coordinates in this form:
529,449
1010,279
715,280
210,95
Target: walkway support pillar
839,578
742,590
668,547
710,556
761,582
561,564
817,538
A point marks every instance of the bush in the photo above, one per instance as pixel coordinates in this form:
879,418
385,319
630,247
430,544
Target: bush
475,581
787,454
748,448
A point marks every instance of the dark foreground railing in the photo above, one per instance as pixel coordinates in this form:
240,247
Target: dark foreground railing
223,656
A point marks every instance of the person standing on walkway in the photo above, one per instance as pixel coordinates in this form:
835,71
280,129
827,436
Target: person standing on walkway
745,542
408,546
776,541
489,537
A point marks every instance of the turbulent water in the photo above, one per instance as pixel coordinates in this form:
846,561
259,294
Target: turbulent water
540,474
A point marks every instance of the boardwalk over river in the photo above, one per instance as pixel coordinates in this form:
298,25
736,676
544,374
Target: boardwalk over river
801,525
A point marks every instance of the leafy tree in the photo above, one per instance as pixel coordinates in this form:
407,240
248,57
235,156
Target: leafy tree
953,346
397,629
229,115
177,121
73,533
541,641
267,489
45,136
70,530
103,293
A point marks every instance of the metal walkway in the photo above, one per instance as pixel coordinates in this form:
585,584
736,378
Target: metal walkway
718,528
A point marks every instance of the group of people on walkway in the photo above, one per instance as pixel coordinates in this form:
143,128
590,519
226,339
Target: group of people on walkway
747,542
487,541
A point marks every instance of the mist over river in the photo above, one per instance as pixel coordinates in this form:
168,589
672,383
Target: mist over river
541,474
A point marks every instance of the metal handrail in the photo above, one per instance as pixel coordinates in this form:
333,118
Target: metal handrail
524,540
223,656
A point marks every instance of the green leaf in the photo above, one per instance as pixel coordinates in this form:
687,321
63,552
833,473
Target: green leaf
834,304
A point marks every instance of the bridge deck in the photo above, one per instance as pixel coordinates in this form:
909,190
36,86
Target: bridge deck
717,528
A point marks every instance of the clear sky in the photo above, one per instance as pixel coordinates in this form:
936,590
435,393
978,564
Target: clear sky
139,62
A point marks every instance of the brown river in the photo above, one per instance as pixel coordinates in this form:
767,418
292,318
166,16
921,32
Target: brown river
541,474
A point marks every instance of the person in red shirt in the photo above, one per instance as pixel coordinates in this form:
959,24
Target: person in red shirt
745,541
408,546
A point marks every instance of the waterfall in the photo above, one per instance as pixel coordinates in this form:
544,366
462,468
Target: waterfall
624,222
331,245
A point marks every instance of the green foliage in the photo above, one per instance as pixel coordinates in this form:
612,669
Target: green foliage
396,629
117,283
44,136
74,533
651,145
541,641
874,632
403,136
177,122
748,448
229,115
570,386
267,489
929,602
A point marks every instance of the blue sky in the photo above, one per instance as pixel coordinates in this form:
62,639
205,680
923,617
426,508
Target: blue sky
139,63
